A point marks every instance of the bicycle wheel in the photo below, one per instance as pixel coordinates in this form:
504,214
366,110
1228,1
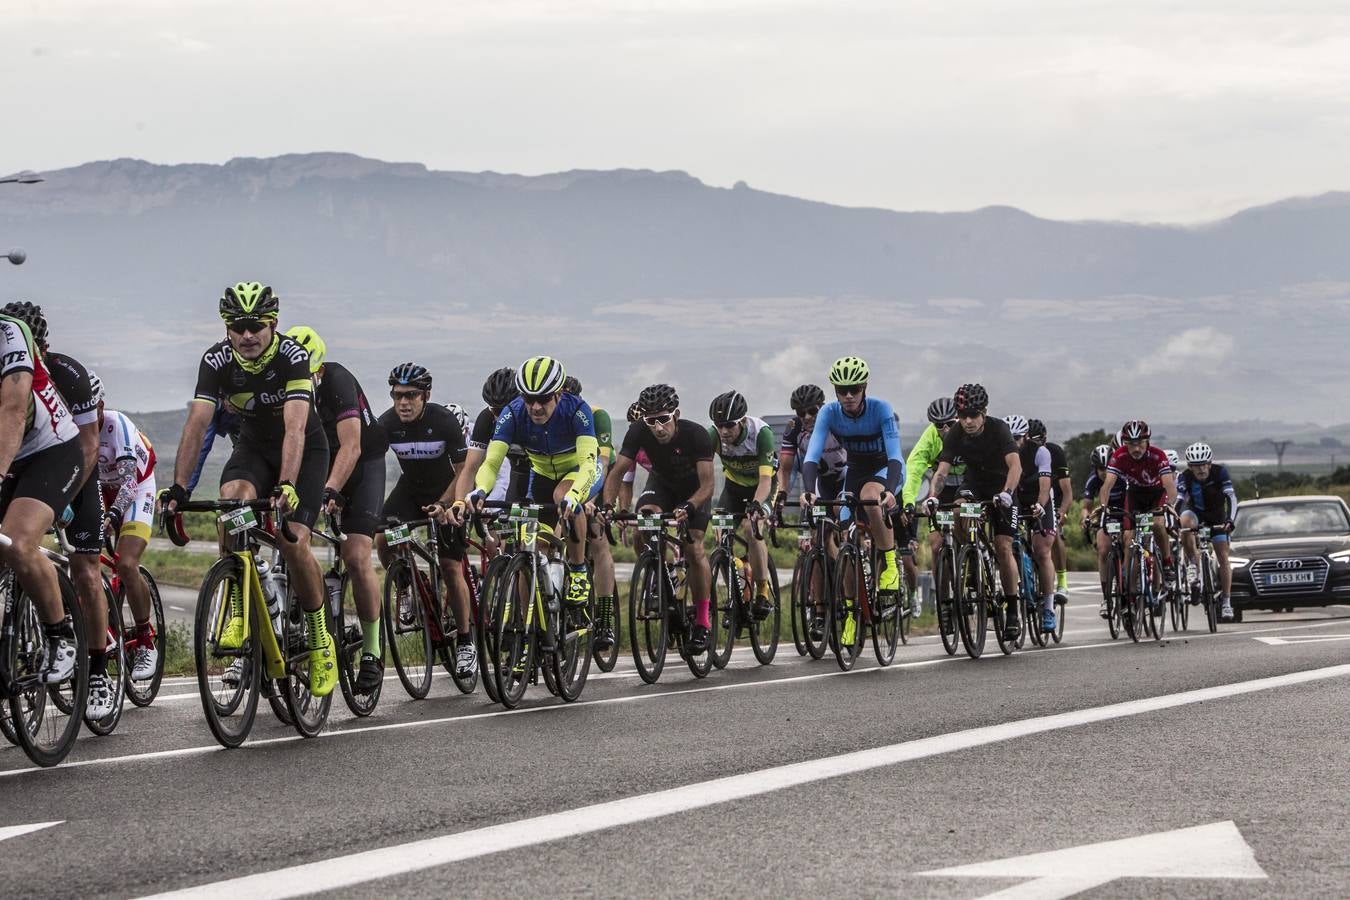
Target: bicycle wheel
143,693
571,661
486,633
682,606
309,713
1131,608
649,627
347,631
1155,614
1184,608
998,618
1061,610
814,602
888,624
972,612
46,717
227,680
795,606
406,630
764,632
117,665
513,659
1207,594
726,606
605,660
1115,592
449,626
944,584
847,626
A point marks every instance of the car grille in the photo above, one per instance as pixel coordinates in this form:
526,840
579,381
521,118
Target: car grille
1263,571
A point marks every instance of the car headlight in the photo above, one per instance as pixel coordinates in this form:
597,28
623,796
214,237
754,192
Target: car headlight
1237,562
1341,556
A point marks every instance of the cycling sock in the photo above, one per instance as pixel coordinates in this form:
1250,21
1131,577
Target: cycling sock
1062,579
317,631
579,569
606,611
370,638
701,613
145,633
461,639
98,661
762,590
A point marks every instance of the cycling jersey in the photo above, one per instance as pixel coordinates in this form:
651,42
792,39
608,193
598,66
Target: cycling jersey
796,439
871,439
675,463
563,448
72,380
120,441
339,397
1059,461
259,389
1214,500
750,456
923,456
1092,489
604,436
1035,466
984,454
48,422
428,448
1145,472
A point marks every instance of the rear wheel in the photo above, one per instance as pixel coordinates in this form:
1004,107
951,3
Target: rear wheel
1132,596
117,665
486,632
143,693
309,713
46,717
1061,610
572,660
795,605
1115,592
228,680
1207,595
345,626
406,628
972,611
514,644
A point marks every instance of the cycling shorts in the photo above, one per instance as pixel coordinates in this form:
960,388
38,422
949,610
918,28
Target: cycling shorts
261,467
735,498
1141,500
50,476
1190,518
1004,521
139,518
363,498
85,531
541,490
661,497
405,504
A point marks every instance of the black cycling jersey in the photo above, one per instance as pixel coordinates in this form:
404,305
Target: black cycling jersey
1059,461
1035,463
72,381
428,448
481,436
675,464
259,397
984,454
339,397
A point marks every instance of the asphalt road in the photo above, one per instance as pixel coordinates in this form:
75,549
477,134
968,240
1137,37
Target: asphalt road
787,780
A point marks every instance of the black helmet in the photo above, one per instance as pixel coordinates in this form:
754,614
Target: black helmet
807,396
634,411
1036,432
412,375
500,388
29,314
727,408
249,298
941,410
1101,455
571,385
658,398
971,398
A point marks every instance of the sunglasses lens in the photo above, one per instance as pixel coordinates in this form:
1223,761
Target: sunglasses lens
405,395
242,326
659,420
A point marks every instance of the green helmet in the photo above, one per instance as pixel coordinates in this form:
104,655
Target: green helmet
249,298
540,375
309,339
848,371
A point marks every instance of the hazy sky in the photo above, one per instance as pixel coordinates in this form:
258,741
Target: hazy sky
1176,111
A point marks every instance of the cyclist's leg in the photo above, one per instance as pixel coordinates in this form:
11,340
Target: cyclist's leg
451,546
85,534
1005,523
1103,551
871,488
302,567
362,512
1042,551
132,540
1221,551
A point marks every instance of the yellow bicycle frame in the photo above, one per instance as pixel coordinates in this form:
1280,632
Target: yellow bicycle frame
274,661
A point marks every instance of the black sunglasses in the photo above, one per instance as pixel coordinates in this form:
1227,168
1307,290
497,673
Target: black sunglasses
850,390
808,413
249,326
537,399
943,426
405,395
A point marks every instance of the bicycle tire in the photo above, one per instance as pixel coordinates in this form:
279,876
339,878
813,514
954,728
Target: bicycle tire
486,632
229,710
605,660
1130,608
887,626
795,619
1155,614
1207,593
571,660
1184,609
117,665
143,693
1115,592
408,643
972,612
649,626
726,604
348,643
764,633
1061,612
45,736
309,714
816,609
848,562
944,598
464,683
683,606
513,662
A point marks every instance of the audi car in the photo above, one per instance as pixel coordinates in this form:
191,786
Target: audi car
1289,552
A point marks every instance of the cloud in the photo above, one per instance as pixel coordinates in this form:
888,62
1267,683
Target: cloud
1203,350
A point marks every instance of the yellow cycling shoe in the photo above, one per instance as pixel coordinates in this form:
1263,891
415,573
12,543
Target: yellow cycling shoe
889,579
323,673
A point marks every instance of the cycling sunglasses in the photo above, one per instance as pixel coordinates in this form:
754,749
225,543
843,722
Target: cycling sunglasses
850,390
248,326
807,413
537,399
662,419
405,395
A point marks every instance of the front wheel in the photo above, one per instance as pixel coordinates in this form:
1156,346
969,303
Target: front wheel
946,593
727,603
972,613
229,681
45,717
764,632
814,603
795,606
846,621
406,628
649,626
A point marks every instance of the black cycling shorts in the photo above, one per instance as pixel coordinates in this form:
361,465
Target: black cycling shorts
735,498
404,504
85,531
261,467
1004,521
50,476
363,498
1141,500
663,498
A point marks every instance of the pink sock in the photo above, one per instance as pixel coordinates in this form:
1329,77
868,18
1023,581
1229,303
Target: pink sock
701,616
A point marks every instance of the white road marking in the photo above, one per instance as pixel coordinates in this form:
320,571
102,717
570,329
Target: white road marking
1213,851
371,865
179,608
610,701
1303,639
13,831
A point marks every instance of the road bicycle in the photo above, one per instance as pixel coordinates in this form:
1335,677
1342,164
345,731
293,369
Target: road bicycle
1179,590
978,597
660,608
1208,572
732,609
943,519
276,639
812,572
344,624
140,693
535,630
1142,579
1029,586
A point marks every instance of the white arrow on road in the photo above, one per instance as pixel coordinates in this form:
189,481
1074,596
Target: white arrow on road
1216,850
13,831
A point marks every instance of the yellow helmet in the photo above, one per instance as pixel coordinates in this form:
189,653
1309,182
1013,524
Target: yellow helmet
309,339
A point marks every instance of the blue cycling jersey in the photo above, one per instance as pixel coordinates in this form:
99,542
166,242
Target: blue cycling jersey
1214,498
1092,488
555,449
871,440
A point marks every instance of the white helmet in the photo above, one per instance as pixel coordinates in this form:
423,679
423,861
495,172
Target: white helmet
95,387
1017,425
460,416
1173,458
1199,453
1101,455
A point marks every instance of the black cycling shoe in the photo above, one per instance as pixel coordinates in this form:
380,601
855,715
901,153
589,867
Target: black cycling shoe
817,629
762,608
698,640
371,675
1012,626
604,637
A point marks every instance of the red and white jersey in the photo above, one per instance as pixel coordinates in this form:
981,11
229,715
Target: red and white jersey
119,439
48,423
1145,472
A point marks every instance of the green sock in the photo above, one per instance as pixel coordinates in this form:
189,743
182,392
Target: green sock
315,619
1062,579
370,638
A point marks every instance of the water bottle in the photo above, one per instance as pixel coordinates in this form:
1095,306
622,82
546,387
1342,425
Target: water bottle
270,592
555,575
333,583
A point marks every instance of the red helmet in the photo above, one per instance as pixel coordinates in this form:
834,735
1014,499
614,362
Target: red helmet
1135,430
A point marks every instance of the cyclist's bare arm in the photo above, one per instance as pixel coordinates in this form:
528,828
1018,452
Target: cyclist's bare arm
349,452
200,413
614,480
296,416
1014,463
1104,495
15,392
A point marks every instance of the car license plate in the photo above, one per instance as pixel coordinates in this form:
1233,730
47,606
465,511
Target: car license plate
1279,578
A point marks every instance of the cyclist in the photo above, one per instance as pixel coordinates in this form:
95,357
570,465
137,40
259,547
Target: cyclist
83,518
1034,501
281,451
41,455
680,480
1061,498
807,402
557,430
993,472
498,390
1149,485
628,478
225,421
126,474
428,441
923,458
1101,457
1207,495
355,487
602,560
866,428
747,448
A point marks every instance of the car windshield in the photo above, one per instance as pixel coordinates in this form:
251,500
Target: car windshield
1288,519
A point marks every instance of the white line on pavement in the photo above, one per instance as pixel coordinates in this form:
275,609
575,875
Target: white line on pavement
372,865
